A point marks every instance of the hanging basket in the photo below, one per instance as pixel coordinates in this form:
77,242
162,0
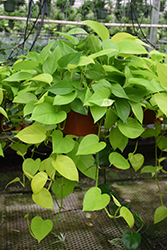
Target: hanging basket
79,125
9,6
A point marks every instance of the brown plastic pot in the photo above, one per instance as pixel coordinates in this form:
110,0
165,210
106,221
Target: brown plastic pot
80,125
149,117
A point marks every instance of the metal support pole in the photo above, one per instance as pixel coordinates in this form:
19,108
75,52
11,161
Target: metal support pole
154,20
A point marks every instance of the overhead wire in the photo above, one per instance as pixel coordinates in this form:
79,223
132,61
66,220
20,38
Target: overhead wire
20,45
139,26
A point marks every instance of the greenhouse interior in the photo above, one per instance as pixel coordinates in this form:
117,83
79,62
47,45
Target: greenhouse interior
83,124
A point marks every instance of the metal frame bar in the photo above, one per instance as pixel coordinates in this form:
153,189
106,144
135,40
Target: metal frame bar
82,23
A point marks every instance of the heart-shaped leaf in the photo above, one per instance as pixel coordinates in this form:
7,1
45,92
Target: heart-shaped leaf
32,134
61,144
136,160
131,129
46,113
86,165
62,187
160,214
38,182
94,200
101,98
46,165
97,112
43,199
41,228
31,166
118,161
90,145
131,240
20,148
66,167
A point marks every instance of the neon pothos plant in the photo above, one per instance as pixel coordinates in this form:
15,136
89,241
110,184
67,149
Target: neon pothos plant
112,79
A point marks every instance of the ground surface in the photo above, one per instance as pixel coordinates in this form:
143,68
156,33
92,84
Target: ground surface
82,233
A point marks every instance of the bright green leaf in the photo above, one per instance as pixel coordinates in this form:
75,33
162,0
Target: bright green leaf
3,112
46,113
160,214
117,203
127,47
99,28
83,61
137,111
136,160
66,167
64,99
25,65
50,64
97,112
32,134
25,98
161,101
44,77
31,166
94,200
101,98
41,228
131,129
43,199
46,165
128,216
38,182
61,144
90,145
118,161
19,76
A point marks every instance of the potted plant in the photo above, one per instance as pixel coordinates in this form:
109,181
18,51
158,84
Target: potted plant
9,5
110,80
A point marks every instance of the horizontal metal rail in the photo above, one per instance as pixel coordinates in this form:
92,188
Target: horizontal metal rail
82,23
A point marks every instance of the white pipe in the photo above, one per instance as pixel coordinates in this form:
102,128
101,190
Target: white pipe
82,23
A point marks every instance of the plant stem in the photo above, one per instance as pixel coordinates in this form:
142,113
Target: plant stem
160,192
97,155
156,177
60,205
